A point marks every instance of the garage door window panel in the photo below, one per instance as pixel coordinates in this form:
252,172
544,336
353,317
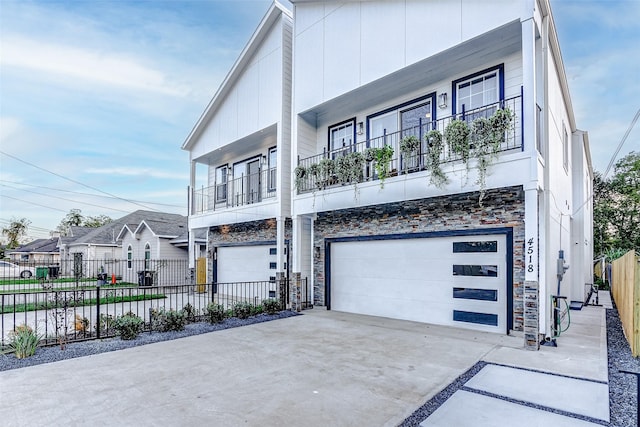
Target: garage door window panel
476,294
475,270
473,317
475,247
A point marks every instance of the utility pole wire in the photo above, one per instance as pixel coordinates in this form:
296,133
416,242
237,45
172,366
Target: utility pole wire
624,138
77,182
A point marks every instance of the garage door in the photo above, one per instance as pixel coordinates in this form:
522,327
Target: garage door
459,281
246,263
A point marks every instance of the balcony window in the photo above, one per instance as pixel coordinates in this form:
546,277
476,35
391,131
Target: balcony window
478,90
342,137
273,163
221,183
246,182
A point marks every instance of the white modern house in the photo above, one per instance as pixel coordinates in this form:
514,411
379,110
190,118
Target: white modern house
242,145
428,158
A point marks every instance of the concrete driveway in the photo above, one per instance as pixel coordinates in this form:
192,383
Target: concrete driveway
322,368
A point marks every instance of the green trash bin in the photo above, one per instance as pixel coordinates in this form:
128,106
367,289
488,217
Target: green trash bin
41,272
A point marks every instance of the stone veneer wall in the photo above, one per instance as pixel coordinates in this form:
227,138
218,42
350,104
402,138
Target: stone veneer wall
501,208
244,232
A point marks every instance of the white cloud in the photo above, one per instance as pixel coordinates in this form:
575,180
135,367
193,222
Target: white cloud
71,62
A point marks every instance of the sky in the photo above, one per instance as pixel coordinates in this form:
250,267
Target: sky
97,97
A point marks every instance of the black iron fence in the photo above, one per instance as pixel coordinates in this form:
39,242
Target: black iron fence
87,312
79,272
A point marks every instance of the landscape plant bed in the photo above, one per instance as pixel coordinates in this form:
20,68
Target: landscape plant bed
87,348
21,308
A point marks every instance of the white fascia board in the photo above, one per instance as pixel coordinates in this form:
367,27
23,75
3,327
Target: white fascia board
236,70
557,56
122,232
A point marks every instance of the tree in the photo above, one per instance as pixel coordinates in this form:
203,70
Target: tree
75,218
97,221
616,216
15,231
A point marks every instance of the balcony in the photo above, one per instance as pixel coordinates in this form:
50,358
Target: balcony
242,191
311,174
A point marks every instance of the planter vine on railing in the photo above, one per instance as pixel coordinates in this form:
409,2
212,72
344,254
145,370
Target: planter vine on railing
435,147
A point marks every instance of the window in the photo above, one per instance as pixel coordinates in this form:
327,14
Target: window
410,118
273,163
477,91
476,294
221,183
273,265
342,137
273,251
475,270
147,256
565,148
471,247
246,182
129,256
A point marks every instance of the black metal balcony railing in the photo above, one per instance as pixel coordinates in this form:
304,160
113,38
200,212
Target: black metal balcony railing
401,164
245,190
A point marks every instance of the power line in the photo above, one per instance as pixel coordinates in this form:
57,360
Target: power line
32,203
624,138
75,182
88,194
62,198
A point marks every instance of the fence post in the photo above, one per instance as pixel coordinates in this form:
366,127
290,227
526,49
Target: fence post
98,312
282,281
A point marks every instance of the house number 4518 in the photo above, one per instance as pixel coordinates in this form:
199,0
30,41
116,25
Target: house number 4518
530,251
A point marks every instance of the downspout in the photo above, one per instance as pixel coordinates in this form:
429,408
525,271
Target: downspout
547,197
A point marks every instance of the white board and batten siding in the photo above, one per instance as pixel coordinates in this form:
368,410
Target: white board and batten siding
457,281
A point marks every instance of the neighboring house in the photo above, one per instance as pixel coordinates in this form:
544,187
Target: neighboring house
243,141
446,245
152,253
89,251
40,251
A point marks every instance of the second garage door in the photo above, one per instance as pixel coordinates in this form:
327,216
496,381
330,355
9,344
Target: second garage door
458,280
246,263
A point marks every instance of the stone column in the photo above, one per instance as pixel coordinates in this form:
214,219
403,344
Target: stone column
531,316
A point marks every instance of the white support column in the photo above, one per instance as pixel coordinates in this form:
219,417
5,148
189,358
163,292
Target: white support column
296,248
280,224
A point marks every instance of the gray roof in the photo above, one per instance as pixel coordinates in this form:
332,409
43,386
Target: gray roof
199,235
38,245
161,223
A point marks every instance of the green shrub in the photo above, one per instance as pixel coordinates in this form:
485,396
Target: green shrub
215,313
190,312
257,309
128,326
106,323
271,305
242,310
165,321
23,341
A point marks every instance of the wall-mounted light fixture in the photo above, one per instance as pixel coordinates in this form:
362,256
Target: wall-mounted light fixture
442,100
360,128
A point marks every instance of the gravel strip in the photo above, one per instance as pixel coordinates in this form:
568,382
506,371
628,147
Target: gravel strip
623,392
87,348
623,398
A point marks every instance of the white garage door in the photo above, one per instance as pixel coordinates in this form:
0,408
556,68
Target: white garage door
246,263
459,281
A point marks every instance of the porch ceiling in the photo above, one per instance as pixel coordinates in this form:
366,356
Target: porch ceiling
491,46
257,141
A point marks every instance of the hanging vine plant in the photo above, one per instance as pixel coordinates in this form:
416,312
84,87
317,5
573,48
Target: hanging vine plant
327,168
433,161
382,158
409,147
457,136
501,122
484,150
300,175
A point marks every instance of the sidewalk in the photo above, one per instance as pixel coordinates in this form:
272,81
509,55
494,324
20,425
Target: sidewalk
562,386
